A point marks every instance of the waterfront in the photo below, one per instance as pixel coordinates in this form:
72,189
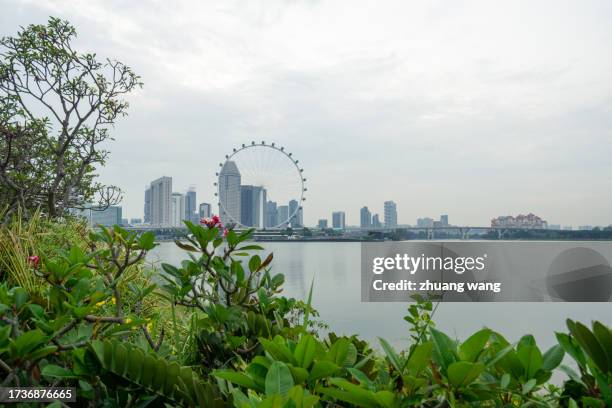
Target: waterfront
335,268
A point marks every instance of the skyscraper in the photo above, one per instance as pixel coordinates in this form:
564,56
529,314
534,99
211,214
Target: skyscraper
107,217
322,223
178,210
338,219
147,205
253,208
444,220
272,220
161,205
190,205
283,216
365,217
390,214
205,210
376,221
294,212
229,193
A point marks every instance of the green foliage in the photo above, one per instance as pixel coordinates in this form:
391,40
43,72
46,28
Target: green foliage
166,379
57,106
89,293
591,349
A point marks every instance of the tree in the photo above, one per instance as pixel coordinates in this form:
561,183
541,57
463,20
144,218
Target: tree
56,108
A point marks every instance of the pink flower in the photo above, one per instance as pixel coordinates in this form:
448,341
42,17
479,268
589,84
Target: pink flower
34,260
212,222
225,232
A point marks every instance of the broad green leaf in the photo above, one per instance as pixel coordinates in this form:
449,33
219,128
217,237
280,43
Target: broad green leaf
279,379
553,357
322,369
472,348
238,379
392,356
589,343
444,350
572,348
463,373
419,359
505,381
604,337
55,371
305,351
531,359
528,386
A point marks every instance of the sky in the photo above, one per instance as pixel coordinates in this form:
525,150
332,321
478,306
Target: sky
473,109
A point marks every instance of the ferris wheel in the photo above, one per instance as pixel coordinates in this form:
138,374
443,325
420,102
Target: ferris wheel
261,185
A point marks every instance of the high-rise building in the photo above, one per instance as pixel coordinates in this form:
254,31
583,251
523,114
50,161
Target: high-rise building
253,208
322,223
425,222
107,217
365,217
272,219
161,203
147,205
444,220
178,210
295,213
338,219
190,205
390,214
376,221
135,221
283,216
205,210
229,193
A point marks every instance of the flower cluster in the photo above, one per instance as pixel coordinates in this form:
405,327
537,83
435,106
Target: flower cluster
212,222
34,260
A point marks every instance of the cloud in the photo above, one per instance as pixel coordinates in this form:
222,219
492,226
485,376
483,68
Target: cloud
472,109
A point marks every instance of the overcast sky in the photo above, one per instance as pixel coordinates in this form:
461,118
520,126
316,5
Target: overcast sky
475,109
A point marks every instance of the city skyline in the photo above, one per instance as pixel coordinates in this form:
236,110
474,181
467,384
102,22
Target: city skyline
445,112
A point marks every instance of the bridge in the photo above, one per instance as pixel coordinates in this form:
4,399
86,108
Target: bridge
462,231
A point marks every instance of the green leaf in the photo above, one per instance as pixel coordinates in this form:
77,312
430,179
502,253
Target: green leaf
531,359
367,397
528,386
604,337
572,348
553,357
305,351
472,348
392,356
505,381
348,397
419,359
254,263
279,379
55,371
444,351
322,369
463,373
238,379
147,240
589,343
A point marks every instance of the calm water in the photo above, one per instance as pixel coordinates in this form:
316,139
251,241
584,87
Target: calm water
335,268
